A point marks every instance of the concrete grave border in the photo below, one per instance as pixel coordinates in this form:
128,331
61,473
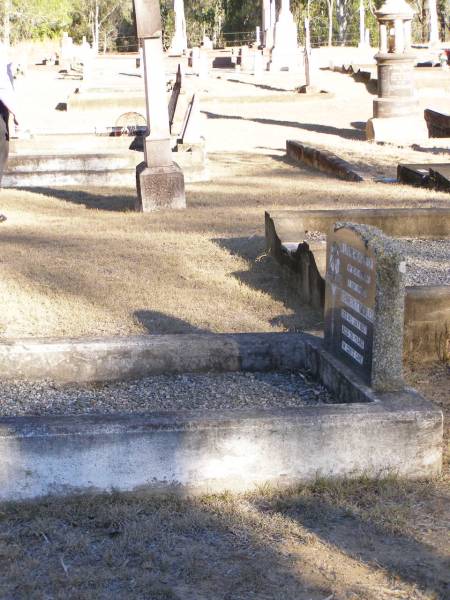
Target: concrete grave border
323,160
213,451
427,308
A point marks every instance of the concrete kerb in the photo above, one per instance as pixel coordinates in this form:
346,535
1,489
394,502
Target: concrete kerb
88,160
323,160
190,452
427,308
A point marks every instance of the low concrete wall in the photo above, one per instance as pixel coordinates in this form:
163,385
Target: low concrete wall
92,168
214,451
324,161
427,311
106,359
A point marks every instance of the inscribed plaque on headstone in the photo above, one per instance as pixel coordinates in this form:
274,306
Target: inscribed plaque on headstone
148,18
350,301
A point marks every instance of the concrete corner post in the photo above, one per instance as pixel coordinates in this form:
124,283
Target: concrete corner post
159,181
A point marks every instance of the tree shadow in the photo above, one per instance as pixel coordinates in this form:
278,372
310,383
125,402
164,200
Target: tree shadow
264,274
114,202
261,86
349,134
366,540
156,322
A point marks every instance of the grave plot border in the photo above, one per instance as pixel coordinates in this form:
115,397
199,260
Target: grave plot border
189,452
427,308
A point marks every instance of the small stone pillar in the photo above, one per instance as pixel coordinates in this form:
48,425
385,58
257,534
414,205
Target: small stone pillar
179,40
160,181
66,51
308,88
396,112
284,51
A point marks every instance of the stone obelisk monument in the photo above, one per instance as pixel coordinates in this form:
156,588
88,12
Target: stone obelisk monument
160,181
284,51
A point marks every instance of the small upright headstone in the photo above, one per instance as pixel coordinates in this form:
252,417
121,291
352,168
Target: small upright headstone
176,91
364,304
191,129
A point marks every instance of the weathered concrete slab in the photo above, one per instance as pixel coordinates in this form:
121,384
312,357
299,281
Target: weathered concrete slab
105,359
438,123
430,175
324,161
213,451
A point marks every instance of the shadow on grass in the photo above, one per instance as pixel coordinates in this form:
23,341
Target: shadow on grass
156,322
349,134
264,274
306,544
261,86
376,539
114,202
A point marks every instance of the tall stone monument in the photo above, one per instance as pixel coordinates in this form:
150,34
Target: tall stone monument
284,51
396,112
268,23
160,181
364,304
179,40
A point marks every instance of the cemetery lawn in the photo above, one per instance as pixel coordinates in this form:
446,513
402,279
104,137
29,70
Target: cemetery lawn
347,540
82,263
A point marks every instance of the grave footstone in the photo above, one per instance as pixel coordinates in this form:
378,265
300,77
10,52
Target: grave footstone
364,304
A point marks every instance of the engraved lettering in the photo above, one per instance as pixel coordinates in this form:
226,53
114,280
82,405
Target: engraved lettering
356,324
353,337
351,352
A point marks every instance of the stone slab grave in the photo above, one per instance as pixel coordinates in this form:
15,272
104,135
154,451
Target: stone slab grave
364,303
356,431
297,240
429,175
438,123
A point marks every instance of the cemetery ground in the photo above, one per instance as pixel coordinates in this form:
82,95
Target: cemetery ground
81,263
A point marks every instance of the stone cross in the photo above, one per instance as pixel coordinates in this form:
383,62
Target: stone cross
364,304
160,182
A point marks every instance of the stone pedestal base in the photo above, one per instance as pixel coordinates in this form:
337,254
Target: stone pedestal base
159,188
397,130
193,159
308,89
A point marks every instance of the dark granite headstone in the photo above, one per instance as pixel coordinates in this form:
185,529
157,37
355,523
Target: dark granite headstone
148,18
364,303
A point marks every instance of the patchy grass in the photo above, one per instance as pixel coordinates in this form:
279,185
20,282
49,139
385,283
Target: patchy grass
343,540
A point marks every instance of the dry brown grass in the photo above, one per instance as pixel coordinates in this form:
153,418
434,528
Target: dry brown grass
352,540
79,263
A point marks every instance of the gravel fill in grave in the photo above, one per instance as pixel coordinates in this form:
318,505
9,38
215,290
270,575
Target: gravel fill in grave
427,261
164,393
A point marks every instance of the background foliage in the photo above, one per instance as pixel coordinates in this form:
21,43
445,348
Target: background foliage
225,21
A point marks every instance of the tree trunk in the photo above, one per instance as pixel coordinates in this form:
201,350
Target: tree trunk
330,4
7,23
434,28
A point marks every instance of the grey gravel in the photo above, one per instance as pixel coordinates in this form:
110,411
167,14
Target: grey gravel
427,261
164,393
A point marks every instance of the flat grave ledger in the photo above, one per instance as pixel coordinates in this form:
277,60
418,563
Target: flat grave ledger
364,304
